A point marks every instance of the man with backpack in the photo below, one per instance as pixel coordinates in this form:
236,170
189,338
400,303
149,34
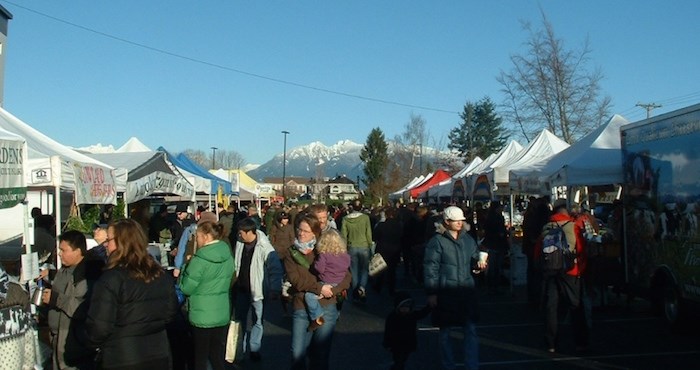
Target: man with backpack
561,258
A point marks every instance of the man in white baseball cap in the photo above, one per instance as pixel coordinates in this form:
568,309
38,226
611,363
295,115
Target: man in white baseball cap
450,257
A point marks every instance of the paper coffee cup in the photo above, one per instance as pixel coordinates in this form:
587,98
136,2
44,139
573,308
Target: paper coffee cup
483,256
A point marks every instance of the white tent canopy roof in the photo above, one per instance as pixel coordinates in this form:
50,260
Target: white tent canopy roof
544,146
46,153
148,173
468,169
133,145
598,162
445,187
495,159
593,160
411,184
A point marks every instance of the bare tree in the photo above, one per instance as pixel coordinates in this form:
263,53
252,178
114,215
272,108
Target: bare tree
408,147
550,87
229,159
198,156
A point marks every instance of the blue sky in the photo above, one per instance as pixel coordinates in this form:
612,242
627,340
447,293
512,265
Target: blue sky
82,88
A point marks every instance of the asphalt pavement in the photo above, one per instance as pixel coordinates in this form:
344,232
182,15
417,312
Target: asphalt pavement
624,335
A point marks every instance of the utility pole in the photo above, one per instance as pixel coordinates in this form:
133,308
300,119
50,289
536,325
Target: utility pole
213,157
649,107
284,165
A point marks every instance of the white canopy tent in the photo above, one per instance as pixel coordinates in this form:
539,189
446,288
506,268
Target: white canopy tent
133,145
593,160
410,185
148,173
13,187
599,163
53,167
446,188
54,164
494,160
544,146
244,193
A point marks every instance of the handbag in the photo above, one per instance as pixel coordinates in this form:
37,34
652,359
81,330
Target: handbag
376,264
232,341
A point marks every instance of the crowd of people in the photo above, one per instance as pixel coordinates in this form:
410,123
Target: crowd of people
112,305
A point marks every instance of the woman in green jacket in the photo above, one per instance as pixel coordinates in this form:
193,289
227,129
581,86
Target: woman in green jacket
206,280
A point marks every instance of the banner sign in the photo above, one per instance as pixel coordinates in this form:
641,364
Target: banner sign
13,188
94,184
482,188
157,182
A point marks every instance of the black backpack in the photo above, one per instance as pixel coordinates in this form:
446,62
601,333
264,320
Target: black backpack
556,256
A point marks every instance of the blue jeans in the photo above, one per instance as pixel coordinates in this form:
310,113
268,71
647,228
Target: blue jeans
252,339
315,345
313,306
359,266
471,348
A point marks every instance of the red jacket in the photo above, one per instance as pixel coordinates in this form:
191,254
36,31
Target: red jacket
573,232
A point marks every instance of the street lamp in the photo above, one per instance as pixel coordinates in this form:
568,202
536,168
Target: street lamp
213,157
284,164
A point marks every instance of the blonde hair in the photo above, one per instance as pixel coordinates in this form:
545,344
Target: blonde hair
331,242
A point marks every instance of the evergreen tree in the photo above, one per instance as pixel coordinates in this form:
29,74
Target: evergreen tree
375,157
480,133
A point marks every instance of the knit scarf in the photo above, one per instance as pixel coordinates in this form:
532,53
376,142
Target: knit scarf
305,247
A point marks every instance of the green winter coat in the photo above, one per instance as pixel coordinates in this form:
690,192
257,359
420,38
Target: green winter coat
206,281
356,230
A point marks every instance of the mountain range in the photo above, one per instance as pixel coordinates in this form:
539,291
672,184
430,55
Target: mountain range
312,160
318,160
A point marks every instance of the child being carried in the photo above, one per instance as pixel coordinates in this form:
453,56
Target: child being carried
330,266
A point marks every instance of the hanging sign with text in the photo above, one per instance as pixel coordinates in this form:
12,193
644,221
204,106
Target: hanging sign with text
13,187
94,184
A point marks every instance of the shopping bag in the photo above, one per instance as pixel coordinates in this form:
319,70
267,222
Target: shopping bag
376,264
232,341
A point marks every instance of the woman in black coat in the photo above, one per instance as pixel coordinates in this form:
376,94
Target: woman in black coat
387,235
131,304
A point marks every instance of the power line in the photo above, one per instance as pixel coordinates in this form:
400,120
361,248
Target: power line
681,100
649,107
230,69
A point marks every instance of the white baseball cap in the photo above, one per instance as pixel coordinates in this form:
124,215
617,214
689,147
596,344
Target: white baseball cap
453,213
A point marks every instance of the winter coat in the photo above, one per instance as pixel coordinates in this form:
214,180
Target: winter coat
282,237
388,236
495,233
127,318
448,265
207,281
265,267
356,230
303,280
574,237
67,313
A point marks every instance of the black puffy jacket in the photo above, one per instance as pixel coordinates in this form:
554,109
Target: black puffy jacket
127,318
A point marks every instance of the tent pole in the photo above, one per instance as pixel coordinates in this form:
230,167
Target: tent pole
57,211
27,246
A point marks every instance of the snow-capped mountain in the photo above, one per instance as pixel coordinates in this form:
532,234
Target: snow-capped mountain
316,159
341,158
96,148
